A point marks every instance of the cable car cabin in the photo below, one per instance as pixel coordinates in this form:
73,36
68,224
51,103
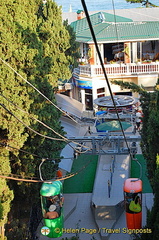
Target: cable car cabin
52,207
133,202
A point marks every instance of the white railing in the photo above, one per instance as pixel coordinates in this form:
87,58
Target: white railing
118,69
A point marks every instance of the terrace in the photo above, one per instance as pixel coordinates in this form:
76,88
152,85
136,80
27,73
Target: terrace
118,69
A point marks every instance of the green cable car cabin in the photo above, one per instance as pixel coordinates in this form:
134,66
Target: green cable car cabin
52,207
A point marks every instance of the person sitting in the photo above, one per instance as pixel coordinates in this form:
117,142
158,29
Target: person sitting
137,200
135,204
56,200
52,213
59,173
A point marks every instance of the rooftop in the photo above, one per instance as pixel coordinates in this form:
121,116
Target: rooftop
136,14
110,28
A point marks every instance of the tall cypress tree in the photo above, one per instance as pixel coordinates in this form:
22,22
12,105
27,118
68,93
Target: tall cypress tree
33,42
55,39
51,64
150,150
12,132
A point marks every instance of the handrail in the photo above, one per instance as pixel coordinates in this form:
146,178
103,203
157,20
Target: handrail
118,69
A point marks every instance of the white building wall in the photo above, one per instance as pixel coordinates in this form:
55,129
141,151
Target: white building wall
148,80
134,52
101,49
82,95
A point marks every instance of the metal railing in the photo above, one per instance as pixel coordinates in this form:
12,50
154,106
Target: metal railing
118,69
111,170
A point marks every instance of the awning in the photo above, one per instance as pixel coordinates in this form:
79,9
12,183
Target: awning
112,126
69,105
68,154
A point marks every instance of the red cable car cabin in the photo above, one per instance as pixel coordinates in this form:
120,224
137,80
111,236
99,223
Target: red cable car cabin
133,202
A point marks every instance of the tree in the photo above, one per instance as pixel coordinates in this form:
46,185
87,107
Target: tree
73,52
150,124
6,195
145,3
54,63
11,131
150,149
33,42
150,143
130,85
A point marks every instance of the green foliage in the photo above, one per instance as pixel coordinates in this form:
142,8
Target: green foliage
1,210
55,37
18,55
150,124
145,3
129,85
17,229
149,132
150,149
6,195
5,199
38,46
153,215
73,52
1,238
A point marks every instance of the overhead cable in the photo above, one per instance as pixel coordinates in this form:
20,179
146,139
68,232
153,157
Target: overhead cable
38,91
34,118
28,126
49,180
35,155
64,138
103,68
8,146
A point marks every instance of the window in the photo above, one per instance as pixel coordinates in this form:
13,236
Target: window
88,91
100,92
88,99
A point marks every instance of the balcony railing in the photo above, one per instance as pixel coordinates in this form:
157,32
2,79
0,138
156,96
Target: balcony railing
118,69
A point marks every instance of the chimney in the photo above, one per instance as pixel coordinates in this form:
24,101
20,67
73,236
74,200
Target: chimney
80,14
101,17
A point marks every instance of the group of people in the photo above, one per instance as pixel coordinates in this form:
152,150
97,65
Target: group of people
54,205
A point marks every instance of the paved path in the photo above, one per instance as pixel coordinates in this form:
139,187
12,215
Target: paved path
80,221
78,215
77,210
82,218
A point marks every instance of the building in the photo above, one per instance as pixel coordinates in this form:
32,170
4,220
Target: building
129,50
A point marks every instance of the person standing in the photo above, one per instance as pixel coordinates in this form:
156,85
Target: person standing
138,120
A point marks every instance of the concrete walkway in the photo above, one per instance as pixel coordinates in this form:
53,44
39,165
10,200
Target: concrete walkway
78,215
88,215
82,219
79,219
101,195
107,198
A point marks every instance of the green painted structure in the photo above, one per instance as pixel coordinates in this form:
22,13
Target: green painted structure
110,28
50,189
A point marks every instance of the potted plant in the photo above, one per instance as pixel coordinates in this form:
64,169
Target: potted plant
147,61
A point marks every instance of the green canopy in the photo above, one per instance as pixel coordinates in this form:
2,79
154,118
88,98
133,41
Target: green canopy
112,126
51,189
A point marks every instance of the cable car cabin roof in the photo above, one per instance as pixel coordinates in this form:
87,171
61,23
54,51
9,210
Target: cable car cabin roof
133,185
51,189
